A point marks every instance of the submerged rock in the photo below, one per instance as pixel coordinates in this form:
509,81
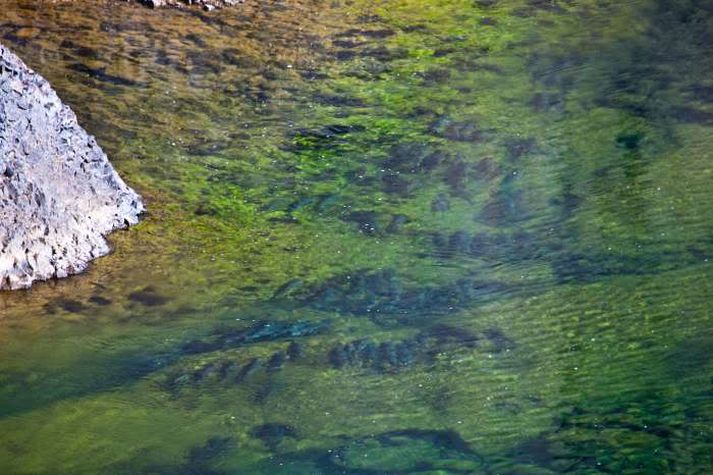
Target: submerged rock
259,332
59,195
405,451
272,433
430,344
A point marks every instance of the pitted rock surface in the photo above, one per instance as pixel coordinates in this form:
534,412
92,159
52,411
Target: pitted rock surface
59,195
206,4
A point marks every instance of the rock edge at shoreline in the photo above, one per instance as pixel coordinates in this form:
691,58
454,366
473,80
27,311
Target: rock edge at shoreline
205,4
59,195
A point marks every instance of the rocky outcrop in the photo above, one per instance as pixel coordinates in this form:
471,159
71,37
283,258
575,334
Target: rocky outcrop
59,195
206,4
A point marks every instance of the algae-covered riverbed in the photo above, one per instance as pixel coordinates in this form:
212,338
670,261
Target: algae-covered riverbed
404,236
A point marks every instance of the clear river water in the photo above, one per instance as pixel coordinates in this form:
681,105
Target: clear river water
383,237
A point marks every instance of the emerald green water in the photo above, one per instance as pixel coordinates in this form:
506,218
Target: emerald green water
403,236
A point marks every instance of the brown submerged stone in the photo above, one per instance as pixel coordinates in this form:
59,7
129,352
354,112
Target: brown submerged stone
59,195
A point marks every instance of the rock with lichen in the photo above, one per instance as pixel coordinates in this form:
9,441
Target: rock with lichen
59,195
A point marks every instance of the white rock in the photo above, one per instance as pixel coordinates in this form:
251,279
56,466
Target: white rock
59,195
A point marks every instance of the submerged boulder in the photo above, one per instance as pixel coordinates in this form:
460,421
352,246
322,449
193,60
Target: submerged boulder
59,195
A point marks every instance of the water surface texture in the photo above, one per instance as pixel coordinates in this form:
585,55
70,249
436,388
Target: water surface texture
405,236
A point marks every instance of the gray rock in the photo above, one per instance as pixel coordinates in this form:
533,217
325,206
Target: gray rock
208,5
59,195
155,3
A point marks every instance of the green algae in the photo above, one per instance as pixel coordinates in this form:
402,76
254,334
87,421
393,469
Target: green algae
289,180
493,401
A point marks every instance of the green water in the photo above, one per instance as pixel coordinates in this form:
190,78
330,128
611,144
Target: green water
402,236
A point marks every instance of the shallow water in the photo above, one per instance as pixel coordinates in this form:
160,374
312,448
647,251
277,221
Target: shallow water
397,237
